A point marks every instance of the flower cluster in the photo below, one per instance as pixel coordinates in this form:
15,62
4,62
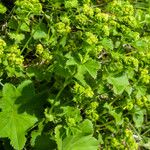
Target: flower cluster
102,17
43,54
87,10
121,8
2,46
91,38
11,59
27,7
145,78
129,60
71,4
82,19
143,101
87,91
91,111
62,28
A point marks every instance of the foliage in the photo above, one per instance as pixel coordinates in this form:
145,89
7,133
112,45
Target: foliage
74,74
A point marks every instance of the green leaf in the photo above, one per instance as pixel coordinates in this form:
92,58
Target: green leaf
2,9
39,31
92,66
16,36
80,74
25,27
44,142
63,41
13,23
40,72
71,112
86,127
71,60
40,140
117,116
58,138
119,83
39,34
140,44
140,91
146,143
129,90
34,136
81,140
138,116
107,43
27,89
14,125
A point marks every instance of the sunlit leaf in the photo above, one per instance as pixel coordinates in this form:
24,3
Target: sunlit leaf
14,124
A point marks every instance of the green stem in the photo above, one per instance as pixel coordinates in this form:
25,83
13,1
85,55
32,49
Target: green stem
146,132
135,131
1,83
58,95
105,124
32,34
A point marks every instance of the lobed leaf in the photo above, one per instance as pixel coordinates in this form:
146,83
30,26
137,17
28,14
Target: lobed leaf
14,125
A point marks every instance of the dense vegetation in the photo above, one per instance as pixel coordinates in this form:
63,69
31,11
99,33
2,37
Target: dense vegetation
74,75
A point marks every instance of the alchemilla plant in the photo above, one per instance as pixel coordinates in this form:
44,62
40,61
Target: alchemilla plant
74,75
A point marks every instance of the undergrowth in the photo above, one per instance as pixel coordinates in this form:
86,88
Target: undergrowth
74,75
